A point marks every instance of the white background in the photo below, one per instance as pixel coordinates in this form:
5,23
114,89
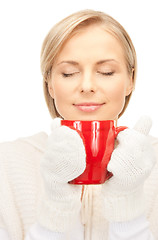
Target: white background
23,26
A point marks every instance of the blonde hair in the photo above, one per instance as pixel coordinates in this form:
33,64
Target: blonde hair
65,29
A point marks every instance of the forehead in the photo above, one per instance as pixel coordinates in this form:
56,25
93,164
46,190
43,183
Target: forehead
92,42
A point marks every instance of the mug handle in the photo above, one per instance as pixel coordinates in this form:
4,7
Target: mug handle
119,129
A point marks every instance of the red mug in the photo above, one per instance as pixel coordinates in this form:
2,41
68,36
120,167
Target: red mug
99,139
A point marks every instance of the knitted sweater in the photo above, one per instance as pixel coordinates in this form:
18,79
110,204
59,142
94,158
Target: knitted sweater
21,187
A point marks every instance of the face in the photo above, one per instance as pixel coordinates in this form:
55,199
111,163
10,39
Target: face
89,80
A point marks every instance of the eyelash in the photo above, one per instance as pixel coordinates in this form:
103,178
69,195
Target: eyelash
66,75
106,73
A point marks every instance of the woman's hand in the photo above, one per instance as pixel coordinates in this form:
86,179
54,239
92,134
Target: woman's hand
64,160
131,163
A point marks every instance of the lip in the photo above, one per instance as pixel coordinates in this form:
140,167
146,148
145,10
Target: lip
88,107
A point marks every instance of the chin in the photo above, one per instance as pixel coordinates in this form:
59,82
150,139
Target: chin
92,118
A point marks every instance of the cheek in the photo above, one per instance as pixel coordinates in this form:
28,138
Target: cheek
61,96
116,96
61,89
58,92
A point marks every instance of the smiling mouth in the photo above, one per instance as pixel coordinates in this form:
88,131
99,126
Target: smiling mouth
88,107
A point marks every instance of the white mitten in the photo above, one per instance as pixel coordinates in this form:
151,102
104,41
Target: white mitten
131,163
64,160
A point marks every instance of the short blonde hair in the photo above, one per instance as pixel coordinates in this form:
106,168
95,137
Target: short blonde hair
65,29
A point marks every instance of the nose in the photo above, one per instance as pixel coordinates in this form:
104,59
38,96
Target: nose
87,84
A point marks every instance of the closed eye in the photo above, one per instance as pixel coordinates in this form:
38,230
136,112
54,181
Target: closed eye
68,74
106,73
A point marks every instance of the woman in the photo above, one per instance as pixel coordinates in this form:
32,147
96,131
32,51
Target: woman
89,68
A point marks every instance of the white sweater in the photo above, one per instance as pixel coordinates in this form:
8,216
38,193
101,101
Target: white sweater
21,187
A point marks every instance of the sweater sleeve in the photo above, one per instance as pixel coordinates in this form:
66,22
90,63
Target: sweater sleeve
137,229
4,234
38,232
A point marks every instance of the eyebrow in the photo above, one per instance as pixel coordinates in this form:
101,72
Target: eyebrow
98,63
69,62
106,60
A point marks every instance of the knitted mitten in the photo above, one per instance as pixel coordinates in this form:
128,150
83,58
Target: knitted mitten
64,160
131,163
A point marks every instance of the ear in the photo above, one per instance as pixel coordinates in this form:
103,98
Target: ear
50,90
129,90
130,85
